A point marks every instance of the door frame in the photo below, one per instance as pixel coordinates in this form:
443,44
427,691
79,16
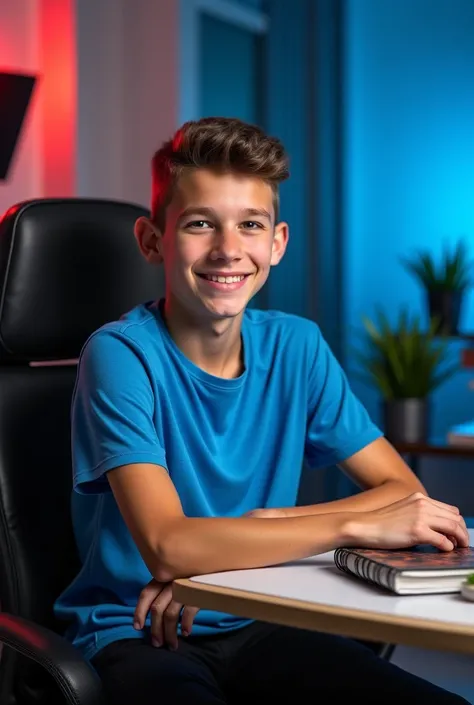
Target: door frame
190,12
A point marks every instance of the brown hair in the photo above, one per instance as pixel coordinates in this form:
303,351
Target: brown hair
223,144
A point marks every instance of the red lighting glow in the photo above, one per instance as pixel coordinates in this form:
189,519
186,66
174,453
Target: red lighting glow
58,86
23,631
9,212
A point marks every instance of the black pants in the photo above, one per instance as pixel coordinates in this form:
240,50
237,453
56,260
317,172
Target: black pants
261,663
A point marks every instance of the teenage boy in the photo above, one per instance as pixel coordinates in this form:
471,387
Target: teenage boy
191,419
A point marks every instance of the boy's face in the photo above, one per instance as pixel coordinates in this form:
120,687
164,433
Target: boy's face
219,243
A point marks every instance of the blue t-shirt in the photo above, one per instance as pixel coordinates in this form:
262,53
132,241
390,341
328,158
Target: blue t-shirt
229,445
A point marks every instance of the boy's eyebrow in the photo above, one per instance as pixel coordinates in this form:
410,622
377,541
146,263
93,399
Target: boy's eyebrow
257,211
198,210
205,210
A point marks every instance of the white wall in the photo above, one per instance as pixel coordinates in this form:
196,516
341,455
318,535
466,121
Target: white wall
19,52
127,64
100,38
127,93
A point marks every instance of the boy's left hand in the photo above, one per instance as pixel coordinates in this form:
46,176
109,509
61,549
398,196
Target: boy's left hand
157,599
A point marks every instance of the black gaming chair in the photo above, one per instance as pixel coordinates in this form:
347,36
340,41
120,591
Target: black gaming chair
66,267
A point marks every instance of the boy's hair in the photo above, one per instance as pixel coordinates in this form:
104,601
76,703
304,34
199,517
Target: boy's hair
219,143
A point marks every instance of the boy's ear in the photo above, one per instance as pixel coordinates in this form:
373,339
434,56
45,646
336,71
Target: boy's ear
280,241
148,238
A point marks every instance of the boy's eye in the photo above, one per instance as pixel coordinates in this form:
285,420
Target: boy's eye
199,224
251,225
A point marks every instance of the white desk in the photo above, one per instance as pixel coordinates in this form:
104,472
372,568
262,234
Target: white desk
314,594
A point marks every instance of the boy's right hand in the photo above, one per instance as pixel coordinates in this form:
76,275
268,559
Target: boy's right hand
157,599
416,519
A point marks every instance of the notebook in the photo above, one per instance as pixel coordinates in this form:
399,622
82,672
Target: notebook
421,570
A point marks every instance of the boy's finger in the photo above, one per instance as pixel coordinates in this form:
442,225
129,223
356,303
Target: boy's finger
147,596
187,619
170,624
158,610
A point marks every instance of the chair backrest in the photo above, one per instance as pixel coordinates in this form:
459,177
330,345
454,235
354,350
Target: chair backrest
67,266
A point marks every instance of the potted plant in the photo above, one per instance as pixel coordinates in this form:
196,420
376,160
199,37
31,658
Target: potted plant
444,284
406,364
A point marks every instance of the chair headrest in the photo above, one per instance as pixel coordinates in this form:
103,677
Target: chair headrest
67,266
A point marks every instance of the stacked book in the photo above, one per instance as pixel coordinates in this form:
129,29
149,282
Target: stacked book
462,434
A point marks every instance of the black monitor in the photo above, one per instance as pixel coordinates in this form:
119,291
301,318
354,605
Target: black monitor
15,94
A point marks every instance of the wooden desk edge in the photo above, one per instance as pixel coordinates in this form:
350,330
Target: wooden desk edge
359,624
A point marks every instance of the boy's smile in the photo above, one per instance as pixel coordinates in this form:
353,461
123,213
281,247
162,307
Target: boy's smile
222,281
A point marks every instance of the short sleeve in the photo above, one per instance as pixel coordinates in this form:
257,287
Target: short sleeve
112,412
338,424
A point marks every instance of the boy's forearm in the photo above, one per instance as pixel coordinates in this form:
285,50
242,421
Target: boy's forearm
195,546
366,501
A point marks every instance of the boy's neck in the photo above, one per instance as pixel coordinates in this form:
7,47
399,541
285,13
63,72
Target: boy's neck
213,346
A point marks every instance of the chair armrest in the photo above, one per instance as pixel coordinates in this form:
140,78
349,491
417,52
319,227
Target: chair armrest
76,678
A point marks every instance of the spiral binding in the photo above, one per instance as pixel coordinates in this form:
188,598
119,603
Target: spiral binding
353,563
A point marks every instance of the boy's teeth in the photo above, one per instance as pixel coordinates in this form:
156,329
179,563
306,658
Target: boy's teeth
224,280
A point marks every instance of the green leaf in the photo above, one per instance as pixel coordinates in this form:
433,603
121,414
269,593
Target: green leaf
404,360
453,272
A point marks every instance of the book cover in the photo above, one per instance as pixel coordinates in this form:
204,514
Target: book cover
418,558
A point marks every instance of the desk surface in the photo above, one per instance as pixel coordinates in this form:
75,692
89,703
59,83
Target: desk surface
314,594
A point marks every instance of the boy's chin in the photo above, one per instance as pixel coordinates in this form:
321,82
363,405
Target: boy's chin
226,309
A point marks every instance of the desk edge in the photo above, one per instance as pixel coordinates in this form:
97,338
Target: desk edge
361,624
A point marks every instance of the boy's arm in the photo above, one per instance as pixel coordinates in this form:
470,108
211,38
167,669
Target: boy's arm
174,545
379,470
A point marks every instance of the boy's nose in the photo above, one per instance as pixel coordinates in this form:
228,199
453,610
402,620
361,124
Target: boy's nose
227,246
